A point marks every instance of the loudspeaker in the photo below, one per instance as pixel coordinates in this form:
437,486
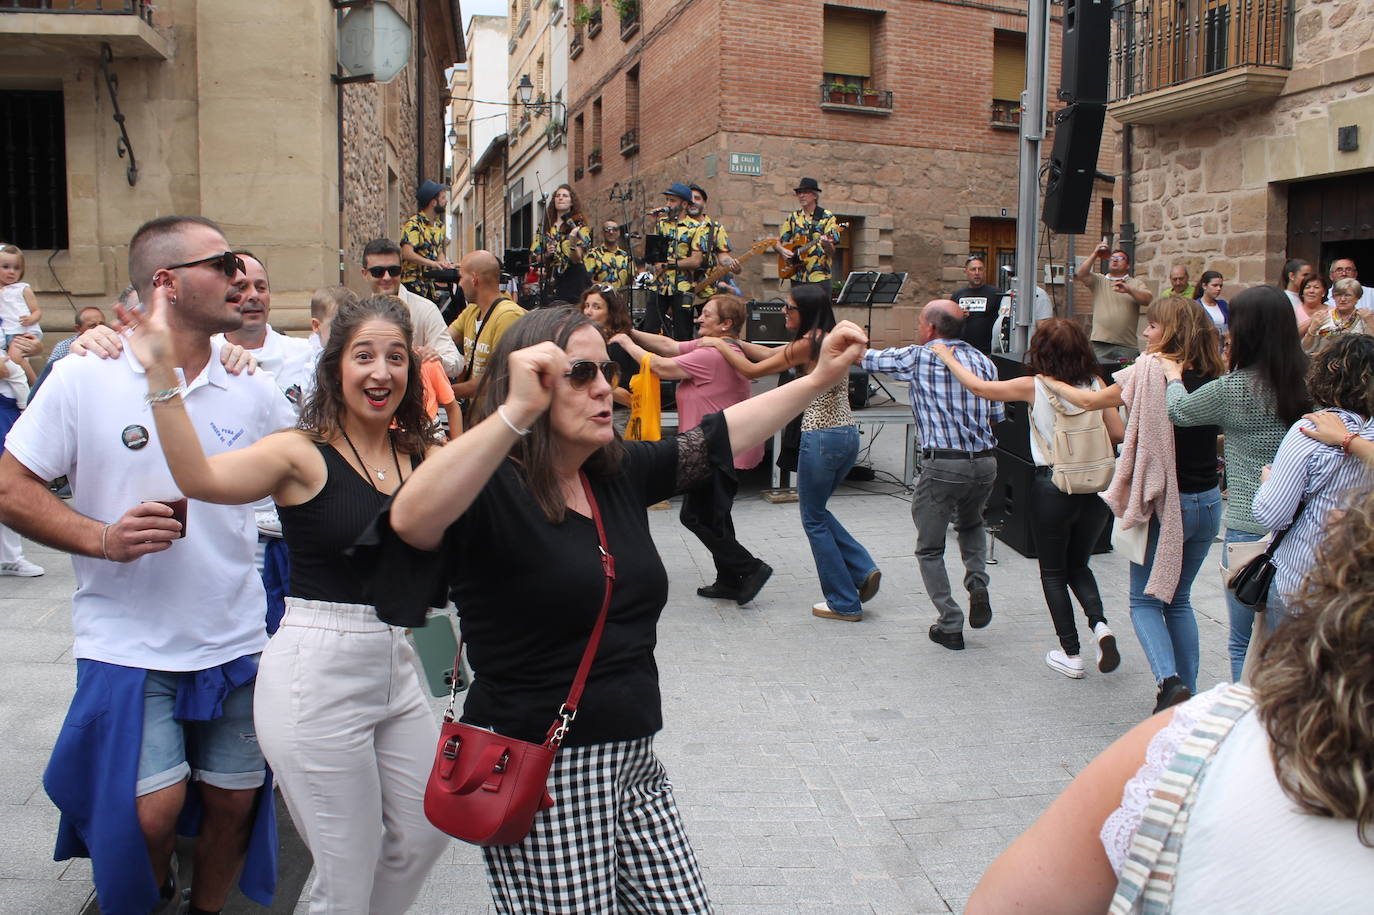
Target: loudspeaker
1010,505
1087,42
858,388
1013,433
1072,168
767,323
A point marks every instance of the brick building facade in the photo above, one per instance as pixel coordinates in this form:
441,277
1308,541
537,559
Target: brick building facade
920,161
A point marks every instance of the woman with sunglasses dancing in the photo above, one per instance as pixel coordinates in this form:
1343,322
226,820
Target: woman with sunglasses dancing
829,447
339,711
509,507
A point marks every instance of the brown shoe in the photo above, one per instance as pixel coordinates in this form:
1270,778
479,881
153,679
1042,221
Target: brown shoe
869,589
823,610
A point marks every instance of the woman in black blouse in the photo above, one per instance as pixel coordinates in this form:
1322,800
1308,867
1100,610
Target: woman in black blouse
505,506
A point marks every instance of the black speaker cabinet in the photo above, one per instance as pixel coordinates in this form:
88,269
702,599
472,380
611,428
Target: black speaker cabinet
858,388
1087,41
1010,506
767,323
1072,167
1013,433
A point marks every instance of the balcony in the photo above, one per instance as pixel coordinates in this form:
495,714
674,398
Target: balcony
578,173
594,23
629,142
628,11
1171,63
576,43
594,161
856,99
1006,114
80,27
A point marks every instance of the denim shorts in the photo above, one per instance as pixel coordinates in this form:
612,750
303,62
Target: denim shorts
222,752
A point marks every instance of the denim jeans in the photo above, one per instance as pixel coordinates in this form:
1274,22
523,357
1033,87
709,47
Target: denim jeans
1242,617
1066,529
841,561
1168,632
952,491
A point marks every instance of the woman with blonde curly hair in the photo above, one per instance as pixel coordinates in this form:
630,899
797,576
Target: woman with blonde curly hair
1240,800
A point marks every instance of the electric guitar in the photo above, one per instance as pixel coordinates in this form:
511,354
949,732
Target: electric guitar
719,271
788,266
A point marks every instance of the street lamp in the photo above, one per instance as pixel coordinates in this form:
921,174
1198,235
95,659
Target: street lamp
525,91
453,137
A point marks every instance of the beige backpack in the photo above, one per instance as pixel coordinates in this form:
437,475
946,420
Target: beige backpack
1079,451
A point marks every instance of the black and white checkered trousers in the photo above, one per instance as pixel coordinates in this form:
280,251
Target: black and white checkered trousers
612,842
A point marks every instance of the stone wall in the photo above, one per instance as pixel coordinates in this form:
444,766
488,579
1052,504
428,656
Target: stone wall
1211,193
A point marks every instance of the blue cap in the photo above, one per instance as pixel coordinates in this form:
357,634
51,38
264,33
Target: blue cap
427,192
678,189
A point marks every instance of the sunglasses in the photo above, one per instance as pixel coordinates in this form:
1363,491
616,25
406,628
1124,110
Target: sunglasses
389,270
788,306
584,370
229,263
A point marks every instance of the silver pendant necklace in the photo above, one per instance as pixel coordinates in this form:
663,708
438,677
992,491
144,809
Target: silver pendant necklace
379,471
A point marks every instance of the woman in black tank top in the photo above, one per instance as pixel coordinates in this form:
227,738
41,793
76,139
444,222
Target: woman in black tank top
338,707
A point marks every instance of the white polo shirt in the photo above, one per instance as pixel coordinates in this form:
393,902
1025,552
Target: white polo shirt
199,603
287,359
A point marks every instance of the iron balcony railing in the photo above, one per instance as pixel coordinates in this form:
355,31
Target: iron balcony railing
855,96
140,8
1159,44
629,141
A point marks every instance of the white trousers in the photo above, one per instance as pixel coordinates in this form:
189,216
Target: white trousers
350,737
11,547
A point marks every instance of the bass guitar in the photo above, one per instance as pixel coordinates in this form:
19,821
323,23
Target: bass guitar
788,266
719,271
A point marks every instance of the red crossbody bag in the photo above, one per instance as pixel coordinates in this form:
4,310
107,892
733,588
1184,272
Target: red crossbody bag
486,788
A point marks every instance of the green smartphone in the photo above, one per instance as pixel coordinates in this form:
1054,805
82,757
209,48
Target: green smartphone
436,644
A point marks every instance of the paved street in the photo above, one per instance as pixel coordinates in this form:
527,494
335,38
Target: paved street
820,766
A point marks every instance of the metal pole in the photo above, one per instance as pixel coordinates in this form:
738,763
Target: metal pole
1028,200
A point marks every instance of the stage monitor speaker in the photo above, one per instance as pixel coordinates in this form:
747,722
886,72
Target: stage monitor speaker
1073,168
1087,43
515,261
858,388
1013,433
767,323
1009,505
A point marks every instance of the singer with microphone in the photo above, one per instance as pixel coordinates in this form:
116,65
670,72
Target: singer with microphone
688,247
560,248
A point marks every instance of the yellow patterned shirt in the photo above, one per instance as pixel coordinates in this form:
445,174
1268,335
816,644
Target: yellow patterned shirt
717,243
800,229
685,237
429,241
561,242
608,266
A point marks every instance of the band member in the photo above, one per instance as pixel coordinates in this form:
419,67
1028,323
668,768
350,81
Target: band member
560,248
608,264
687,251
719,252
808,236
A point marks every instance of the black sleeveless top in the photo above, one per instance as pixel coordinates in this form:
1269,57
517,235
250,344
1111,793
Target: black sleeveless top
317,533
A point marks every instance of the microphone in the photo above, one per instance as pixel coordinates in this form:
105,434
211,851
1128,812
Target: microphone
658,211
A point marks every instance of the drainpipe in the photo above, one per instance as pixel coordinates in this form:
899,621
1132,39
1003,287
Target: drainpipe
1127,240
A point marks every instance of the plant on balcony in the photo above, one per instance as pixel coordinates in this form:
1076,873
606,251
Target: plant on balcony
872,98
586,13
834,91
853,93
626,9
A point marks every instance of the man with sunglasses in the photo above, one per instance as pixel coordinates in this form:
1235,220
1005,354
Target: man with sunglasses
708,383
608,264
381,271
168,615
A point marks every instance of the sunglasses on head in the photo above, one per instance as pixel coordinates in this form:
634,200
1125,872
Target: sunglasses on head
389,270
584,370
229,263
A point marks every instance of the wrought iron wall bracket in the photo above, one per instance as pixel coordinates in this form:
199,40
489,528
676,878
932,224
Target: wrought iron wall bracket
123,144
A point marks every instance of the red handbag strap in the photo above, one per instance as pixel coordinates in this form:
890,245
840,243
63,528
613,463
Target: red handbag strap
568,711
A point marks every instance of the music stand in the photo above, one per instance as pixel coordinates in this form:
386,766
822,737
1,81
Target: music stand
868,289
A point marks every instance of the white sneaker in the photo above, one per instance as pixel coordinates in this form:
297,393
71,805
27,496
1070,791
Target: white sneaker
1108,658
1069,667
22,568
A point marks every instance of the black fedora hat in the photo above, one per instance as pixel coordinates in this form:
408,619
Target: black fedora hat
808,184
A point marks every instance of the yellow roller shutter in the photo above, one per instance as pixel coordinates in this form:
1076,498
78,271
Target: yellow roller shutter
848,43
1008,66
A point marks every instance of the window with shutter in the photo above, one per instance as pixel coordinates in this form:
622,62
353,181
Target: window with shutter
848,44
1008,65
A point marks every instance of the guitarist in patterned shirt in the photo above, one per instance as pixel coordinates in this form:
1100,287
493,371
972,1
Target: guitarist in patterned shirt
718,251
808,236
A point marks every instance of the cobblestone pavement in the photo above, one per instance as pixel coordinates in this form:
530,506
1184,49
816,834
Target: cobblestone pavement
820,766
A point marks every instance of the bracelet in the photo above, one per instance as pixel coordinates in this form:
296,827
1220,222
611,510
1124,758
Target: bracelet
156,397
501,412
103,531
1345,442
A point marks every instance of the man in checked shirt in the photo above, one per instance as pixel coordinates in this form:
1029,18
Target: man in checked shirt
958,467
